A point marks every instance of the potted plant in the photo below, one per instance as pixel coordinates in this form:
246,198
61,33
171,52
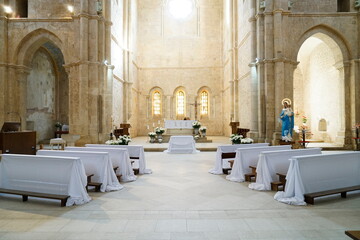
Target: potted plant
159,131
203,131
152,136
235,138
58,126
196,125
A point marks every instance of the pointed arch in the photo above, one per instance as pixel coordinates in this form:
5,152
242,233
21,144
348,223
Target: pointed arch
180,102
32,42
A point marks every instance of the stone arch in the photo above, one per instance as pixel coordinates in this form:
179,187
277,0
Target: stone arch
332,34
36,50
199,101
175,104
162,101
32,42
319,81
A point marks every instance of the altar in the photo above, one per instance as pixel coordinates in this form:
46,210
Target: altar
179,127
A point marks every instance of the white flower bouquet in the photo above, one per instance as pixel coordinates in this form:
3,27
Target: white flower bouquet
196,124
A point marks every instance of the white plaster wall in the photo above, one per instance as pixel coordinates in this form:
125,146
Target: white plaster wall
321,94
41,96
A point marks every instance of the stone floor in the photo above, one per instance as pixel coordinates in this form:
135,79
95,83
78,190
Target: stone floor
180,200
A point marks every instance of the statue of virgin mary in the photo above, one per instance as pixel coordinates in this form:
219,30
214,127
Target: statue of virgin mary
287,118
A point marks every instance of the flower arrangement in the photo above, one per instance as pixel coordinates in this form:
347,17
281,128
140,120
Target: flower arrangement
246,141
202,129
304,119
122,140
196,137
58,125
235,138
151,134
239,139
196,124
159,130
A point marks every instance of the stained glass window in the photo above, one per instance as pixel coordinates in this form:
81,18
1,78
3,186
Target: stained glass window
180,103
156,103
204,103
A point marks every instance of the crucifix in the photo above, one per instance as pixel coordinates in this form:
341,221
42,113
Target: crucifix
196,104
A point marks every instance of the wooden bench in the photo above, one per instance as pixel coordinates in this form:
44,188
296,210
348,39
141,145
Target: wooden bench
309,197
353,234
281,183
136,170
25,195
252,175
225,156
92,184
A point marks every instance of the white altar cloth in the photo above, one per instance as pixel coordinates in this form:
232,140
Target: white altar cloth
134,151
119,158
45,174
220,163
97,163
246,157
316,173
271,163
181,144
179,124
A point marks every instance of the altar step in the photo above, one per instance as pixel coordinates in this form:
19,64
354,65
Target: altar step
161,149
166,139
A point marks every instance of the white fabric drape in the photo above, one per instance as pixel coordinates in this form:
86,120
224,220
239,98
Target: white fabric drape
134,151
271,163
181,144
220,164
246,157
179,124
45,174
316,173
119,158
97,163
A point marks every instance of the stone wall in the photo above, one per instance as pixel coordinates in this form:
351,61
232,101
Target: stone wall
41,84
49,8
174,53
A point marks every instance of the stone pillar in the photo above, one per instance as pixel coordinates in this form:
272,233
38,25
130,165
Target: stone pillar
261,77
235,73
348,102
254,128
3,63
21,76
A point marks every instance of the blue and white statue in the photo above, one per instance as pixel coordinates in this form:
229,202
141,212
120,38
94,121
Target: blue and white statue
287,118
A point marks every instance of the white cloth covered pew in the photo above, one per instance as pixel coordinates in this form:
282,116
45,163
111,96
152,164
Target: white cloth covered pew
246,157
136,151
97,163
220,163
317,173
45,174
181,144
271,163
119,158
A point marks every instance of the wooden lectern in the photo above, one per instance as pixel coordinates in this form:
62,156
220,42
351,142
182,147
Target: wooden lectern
126,127
234,126
16,142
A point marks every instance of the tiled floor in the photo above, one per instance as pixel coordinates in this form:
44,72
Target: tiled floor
180,200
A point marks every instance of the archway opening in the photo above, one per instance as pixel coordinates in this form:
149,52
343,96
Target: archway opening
47,92
319,89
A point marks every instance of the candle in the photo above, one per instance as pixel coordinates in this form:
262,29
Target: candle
153,124
147,127
159,122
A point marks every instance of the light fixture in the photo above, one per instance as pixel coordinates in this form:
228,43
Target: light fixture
8,9
106,62
70,8
181,9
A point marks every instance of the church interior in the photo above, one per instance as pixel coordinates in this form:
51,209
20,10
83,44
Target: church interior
191,83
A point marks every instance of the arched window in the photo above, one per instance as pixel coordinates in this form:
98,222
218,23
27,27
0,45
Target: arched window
180,103
156,103
204,103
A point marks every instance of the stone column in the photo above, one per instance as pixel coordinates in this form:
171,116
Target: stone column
21,76
3,63
235,73
269,75
348,102
254,128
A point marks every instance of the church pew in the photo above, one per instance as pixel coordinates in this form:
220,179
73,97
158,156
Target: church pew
225,153
339,173
246,157
60,178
